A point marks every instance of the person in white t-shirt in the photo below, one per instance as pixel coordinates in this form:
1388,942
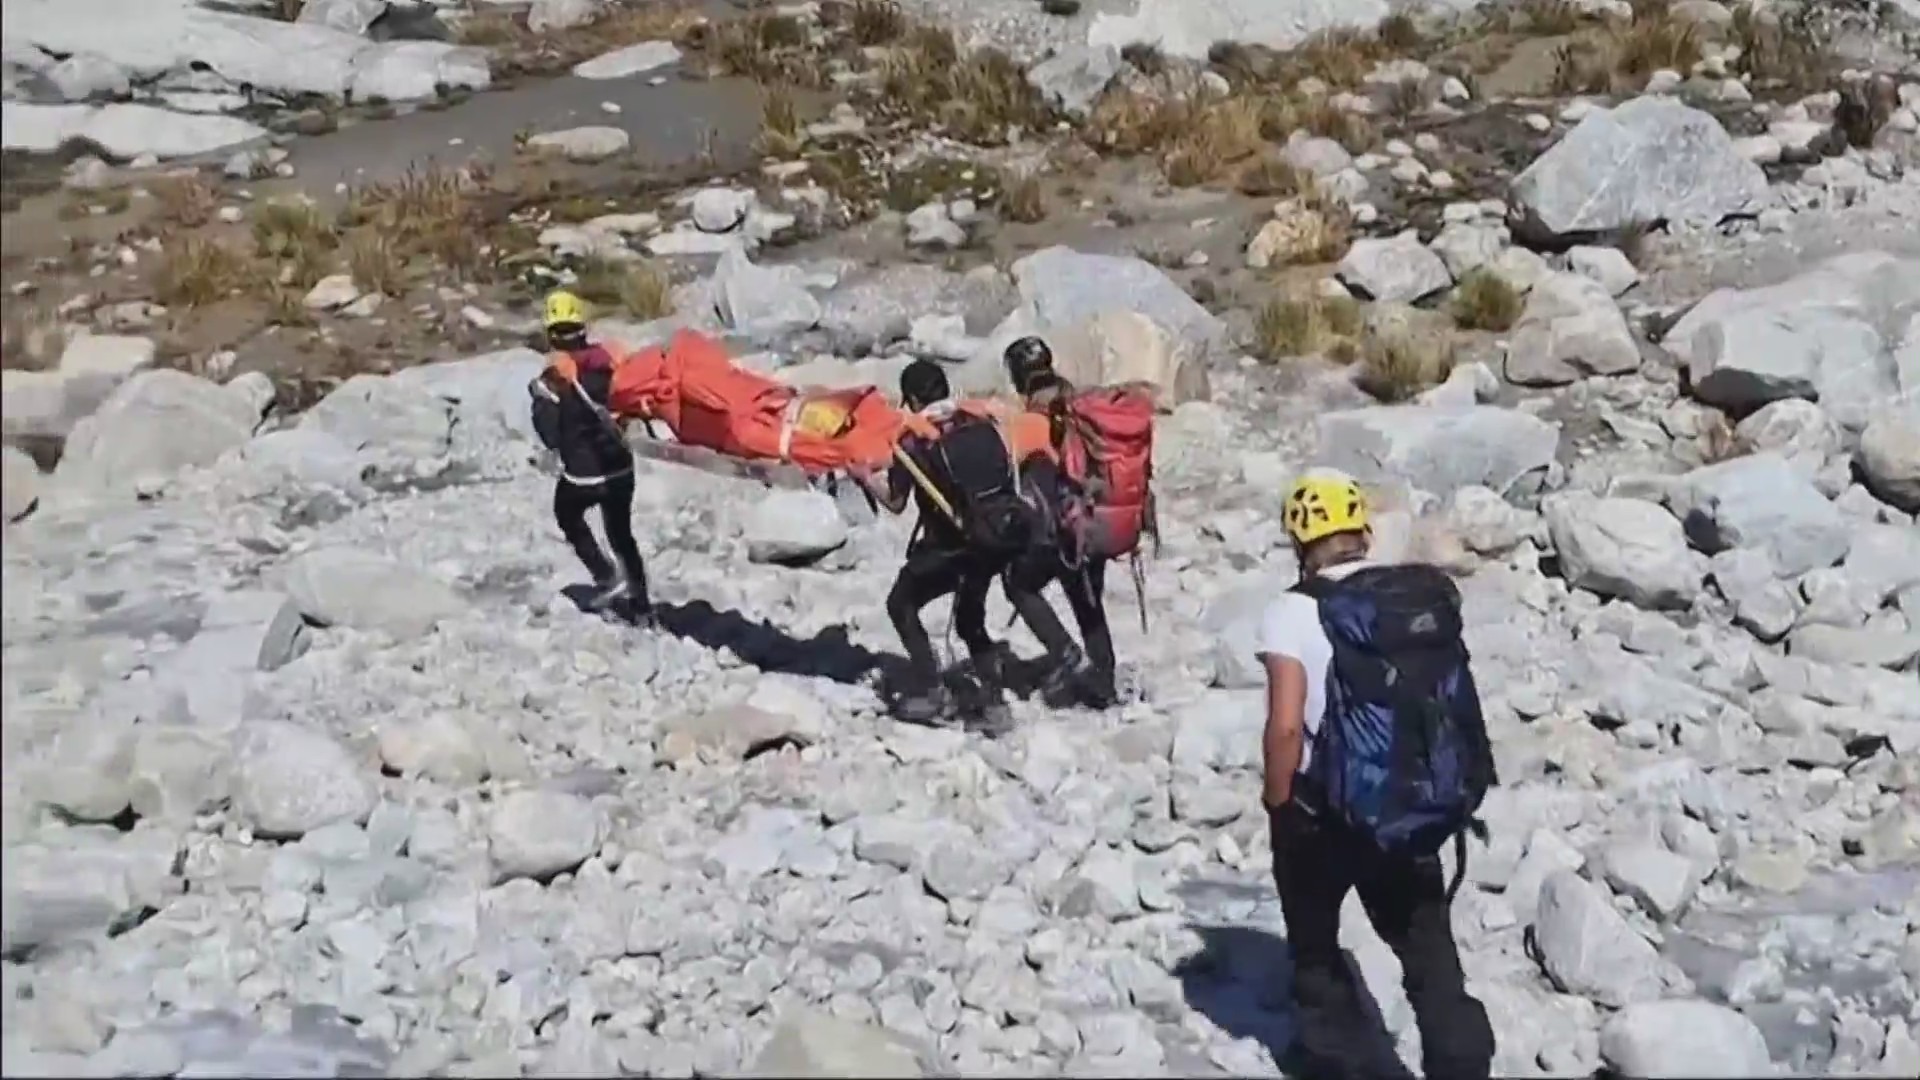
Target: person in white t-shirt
1316,864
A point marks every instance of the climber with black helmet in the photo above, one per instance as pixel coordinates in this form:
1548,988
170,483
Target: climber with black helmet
1084,678
596,467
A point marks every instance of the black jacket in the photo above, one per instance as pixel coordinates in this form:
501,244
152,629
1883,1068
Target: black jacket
572,421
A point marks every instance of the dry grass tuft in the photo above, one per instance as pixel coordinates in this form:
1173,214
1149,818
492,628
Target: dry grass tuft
1147,59
1483,300
286,230
1654,40
639,289
1582,67
1308,325
1281,116
1397,363
286,306
196,271
1219,136
766,47
1784,49
876,22
978,97
1022,199
1273,177
376,263
781,133
186,202
1547,17
1400,33
430,214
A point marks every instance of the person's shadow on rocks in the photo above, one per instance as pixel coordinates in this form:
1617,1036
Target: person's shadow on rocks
1242,980
830,654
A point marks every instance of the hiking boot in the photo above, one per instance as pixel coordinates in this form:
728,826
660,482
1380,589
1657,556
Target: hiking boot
1060,689
1097,689
607,593
929,706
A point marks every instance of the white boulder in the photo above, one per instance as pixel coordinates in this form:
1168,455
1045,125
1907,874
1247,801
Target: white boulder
1570,328
1190,28
340,586
1683,1038
592,143
1623,547
1587,948
1761,501
150,428
547,15
1440,449
1072,79
1889,456
1648,160
123,130
537,834
346,16
794,526
1606,265
631,60
1398,269
290,780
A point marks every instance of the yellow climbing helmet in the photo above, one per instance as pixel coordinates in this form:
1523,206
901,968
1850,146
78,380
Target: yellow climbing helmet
565,309
1324,503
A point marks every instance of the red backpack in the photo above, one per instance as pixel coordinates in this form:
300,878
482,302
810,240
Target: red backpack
1108,451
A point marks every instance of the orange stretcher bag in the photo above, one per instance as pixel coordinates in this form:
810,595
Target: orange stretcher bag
693,387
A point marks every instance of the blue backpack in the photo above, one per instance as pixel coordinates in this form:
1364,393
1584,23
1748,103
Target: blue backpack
1402,756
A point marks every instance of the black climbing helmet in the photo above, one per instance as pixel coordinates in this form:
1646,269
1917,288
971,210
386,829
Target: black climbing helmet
1027,360
922,383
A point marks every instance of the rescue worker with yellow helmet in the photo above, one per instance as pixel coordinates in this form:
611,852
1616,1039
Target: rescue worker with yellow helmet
1322,761
596,467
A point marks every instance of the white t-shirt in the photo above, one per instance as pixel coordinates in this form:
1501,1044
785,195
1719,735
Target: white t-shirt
1291,627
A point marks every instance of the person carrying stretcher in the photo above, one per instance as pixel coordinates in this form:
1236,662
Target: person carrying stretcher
959,462
596,467
1096,490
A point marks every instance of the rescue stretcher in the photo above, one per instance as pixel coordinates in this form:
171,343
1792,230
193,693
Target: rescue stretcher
730,421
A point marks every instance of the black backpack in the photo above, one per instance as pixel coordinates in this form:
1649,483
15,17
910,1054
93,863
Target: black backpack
972,467
1401,756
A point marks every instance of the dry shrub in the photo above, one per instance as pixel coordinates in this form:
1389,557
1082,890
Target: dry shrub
1307,325
876,22
637,288
376,263
781,134
1022,198
429,213
1789,49
766,47
1400,33
1865,107
1273,177
32,335
1340,58
1548,17
1222,134
1396,362
1485,301
1147,59
286,305
196,271
977,97
292,232
187,202
1582,67
1656,39
1281,116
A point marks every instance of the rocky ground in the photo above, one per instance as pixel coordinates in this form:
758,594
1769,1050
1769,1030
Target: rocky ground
312,769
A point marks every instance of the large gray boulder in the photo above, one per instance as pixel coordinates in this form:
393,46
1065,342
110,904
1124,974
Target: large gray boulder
1683,1038
1395,269
91,367
340,586
122,130
91,881
1440,449
487,393
289,780
153,426
1064,287
379,415
1190,28
1761,501
1623,547
151,40
1569,329
1648,160
1072,79
347,16
1588,949
1822,335
538,834
794,527
763,304
1889,455
818,1046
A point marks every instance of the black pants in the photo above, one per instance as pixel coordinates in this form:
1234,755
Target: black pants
1315,864
1057,558
614,497
932,572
